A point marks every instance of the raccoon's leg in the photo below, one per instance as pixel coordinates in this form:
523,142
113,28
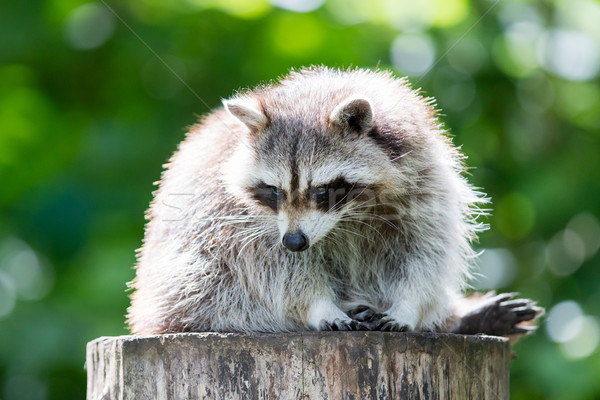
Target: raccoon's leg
498,315
410,310
324,315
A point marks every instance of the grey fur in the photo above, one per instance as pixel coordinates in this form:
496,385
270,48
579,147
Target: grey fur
212,258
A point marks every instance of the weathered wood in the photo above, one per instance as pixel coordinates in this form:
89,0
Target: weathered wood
311,365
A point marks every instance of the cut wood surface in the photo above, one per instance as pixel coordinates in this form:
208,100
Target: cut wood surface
308,365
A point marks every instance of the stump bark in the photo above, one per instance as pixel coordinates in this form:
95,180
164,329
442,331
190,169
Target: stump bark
308,365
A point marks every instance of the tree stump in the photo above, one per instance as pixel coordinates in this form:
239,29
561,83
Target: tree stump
307,365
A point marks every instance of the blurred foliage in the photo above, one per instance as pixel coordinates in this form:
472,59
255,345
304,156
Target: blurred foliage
95,96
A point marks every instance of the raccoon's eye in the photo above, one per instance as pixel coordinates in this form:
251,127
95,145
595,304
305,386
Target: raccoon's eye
319,193
276,191
270,196
321,190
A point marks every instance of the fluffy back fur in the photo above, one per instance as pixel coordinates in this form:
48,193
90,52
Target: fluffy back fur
353,165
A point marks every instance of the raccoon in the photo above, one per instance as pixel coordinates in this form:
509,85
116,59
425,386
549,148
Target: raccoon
329,200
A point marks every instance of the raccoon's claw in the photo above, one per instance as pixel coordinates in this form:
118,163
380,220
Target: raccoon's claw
383,322
341,325
361,314
372,321
521,330
500,316
393,326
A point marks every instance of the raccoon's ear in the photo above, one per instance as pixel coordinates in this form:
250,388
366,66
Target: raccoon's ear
247,111
354,114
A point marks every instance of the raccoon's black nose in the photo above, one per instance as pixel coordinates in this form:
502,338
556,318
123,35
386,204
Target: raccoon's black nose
295,241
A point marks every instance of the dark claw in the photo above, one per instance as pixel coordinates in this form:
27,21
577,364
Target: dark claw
504,297
516,303
341,325
375,322
393,326
527,313
361,313
383,322
521,330
369,320
326,326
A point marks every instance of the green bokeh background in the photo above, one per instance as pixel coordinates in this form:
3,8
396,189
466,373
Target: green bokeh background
95,96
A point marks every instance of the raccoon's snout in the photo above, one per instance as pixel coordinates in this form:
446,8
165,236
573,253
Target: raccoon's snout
296,241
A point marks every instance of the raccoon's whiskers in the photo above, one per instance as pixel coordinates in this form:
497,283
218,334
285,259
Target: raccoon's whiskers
352,232
245,222
352,218
364,206
341,241
250,231
274,247
400,156
244,219
368,215
252,238
360,219
247,229
246,233
249,238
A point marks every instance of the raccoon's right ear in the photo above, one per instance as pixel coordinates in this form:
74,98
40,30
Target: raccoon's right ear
354,114
247,111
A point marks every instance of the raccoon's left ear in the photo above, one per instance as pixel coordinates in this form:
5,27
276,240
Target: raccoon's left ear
247,111
354,114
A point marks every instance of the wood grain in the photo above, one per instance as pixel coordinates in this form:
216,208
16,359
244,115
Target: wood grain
309,365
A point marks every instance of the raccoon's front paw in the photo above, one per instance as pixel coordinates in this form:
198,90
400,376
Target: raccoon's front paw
383,322
341,325
373,321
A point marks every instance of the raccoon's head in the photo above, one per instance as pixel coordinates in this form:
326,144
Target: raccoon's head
310,166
